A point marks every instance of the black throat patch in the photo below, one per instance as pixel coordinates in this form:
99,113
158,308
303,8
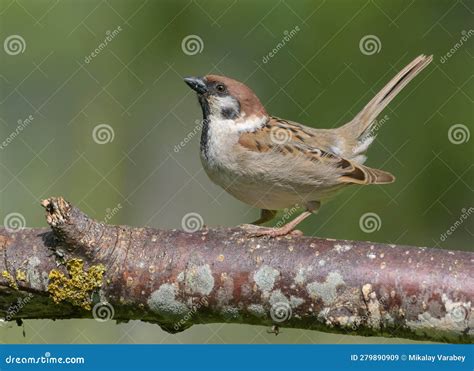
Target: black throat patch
205,126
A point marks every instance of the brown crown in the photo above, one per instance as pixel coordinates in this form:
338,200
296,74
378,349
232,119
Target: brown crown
249,102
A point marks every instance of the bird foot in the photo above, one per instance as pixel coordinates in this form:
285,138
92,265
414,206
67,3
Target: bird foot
257,231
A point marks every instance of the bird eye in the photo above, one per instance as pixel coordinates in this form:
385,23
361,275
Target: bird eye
220,88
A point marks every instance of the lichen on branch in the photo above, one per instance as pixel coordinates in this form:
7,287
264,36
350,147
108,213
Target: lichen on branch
177,279
78,286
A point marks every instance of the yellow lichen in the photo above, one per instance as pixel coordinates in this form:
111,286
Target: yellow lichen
78,287
10,279
20,275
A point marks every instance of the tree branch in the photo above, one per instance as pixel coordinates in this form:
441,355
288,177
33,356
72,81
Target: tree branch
83,268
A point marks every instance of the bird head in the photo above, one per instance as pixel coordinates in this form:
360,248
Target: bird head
223,98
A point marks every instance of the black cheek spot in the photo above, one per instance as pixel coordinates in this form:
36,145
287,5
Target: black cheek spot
229,113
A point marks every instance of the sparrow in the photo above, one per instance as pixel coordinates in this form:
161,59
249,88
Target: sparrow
272,163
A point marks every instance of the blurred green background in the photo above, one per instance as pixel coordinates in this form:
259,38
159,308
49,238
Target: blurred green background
321,77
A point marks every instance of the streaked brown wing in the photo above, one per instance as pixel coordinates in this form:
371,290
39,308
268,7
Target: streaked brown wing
296,141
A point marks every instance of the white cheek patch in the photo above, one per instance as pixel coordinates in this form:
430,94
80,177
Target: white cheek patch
226,127
219,104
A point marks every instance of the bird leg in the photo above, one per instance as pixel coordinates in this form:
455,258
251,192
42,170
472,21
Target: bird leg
256,231
265,216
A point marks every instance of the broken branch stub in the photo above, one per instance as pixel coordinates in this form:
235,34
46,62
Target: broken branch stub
177,279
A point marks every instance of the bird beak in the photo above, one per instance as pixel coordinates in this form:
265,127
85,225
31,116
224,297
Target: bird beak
197,84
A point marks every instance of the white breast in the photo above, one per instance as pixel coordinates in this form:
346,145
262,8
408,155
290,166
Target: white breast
223,135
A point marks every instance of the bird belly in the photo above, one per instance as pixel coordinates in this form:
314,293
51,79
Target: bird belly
255,194
266,195
260,180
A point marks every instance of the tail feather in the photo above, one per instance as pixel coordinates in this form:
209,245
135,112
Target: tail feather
360,174
362,123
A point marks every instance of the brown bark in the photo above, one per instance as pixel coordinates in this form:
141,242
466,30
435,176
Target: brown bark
83,268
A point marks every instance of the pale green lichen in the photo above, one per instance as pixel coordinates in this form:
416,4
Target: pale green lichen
327,290
35,275
300,277
455,322
277,297
230,313
265,278
76,287
295,301
198,279
257,310
163,302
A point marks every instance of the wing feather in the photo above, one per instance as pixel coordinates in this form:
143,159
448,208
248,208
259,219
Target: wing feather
297,142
